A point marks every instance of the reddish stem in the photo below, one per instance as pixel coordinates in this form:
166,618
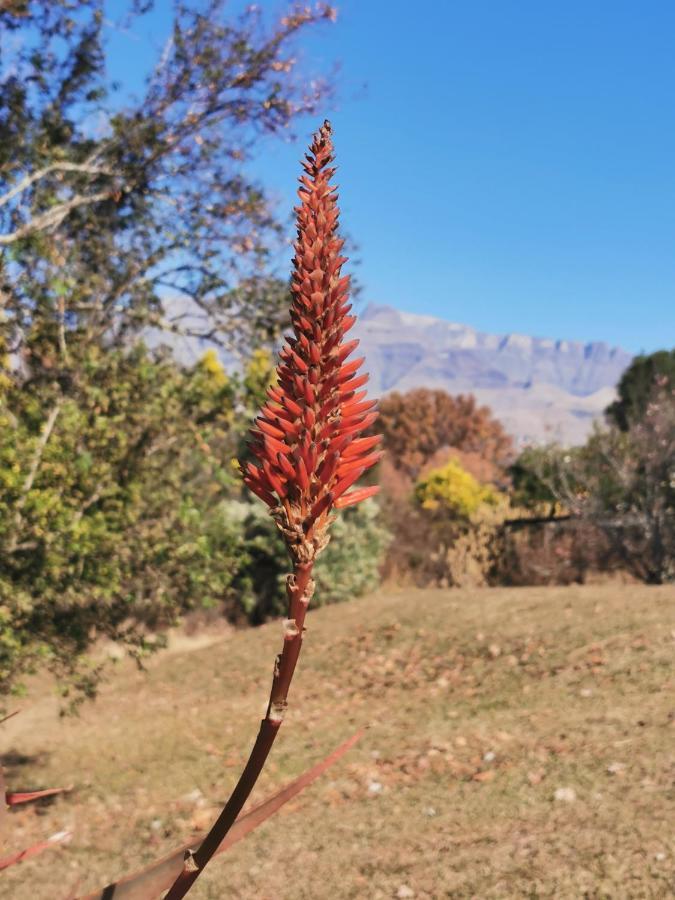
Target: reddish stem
299,590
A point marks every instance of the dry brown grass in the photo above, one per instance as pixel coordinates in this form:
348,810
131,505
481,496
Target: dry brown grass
482,704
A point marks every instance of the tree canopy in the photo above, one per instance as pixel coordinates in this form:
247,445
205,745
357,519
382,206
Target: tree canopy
421,422
117,214
120,218
637,385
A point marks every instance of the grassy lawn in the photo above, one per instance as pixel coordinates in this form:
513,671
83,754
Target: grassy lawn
521,743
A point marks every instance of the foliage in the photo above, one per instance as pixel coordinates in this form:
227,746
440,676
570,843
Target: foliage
259,374
418,424
348,567
446,535
105,499
350,564
453,490
119,217
623,482
122,213
637,385
444,456
530,475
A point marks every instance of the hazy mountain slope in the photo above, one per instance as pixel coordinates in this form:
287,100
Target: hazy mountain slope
541,389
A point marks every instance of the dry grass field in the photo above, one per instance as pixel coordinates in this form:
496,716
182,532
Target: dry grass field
521,743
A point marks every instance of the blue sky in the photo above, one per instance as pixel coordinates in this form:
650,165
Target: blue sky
509,165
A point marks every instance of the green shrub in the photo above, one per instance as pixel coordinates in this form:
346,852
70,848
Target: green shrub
349,567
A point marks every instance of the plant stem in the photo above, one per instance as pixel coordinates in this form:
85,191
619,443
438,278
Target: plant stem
299,589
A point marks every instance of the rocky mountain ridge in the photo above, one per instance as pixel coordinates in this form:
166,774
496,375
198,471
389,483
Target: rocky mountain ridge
541,389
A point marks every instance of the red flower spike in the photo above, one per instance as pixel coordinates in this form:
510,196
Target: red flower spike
292,406
347,481
272,445
353,383
351,367
344,351
268,429
316,417
315,394
362,445
303,477
364,462
357,496
260,491
357,409
285,466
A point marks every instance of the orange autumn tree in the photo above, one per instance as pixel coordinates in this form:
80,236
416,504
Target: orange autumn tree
420,423
307,446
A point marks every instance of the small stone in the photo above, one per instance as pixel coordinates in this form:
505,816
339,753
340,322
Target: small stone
565,794
156,824
374,787
404,892
659,857
616,768
494,650
489,756
430,811
585,692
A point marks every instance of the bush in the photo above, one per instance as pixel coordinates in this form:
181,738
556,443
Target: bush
416,425
455,491
348,567
106,500
622,484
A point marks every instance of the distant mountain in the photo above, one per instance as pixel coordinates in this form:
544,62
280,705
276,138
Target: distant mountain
540,389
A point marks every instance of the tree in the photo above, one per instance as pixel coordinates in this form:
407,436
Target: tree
118,218
418,424
109,517
148,218
636,387
623,483
531,474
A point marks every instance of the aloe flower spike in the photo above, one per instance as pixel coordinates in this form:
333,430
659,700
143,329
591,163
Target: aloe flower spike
307,444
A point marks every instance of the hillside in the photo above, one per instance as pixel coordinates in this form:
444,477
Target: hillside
520,745
540,389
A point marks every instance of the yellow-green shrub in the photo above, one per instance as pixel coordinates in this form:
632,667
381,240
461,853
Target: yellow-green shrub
451,488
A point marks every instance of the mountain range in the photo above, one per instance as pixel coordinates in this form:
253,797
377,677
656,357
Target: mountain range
540,389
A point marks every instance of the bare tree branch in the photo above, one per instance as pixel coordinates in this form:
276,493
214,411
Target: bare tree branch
52,218
28,180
